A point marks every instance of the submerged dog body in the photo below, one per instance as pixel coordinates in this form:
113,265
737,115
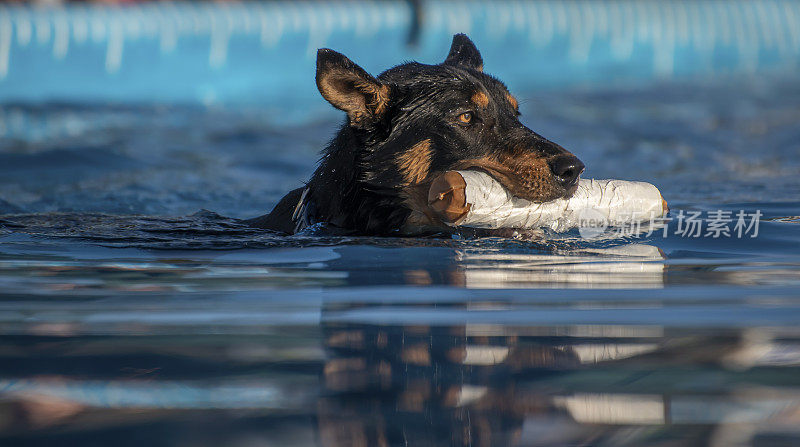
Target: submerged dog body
405,127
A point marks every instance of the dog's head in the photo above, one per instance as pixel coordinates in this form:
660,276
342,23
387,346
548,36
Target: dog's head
415,121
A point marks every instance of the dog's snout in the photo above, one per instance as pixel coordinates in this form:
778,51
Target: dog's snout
567,169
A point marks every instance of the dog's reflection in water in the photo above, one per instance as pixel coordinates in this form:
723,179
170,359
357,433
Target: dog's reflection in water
424,386
435,386
490,385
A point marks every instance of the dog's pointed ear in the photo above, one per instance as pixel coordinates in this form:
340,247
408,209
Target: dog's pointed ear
464,53
348,87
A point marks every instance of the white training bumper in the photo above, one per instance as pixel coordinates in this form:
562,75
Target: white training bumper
485,203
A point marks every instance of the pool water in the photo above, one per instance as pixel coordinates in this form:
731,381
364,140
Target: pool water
135,307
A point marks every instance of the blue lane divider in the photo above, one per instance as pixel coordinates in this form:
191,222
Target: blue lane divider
263,53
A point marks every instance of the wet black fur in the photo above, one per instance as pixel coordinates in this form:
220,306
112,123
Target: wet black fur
358,186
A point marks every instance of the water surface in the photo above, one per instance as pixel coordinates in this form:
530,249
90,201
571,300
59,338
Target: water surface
130,311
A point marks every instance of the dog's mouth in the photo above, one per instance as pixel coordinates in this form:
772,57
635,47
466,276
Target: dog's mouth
570,189
532,182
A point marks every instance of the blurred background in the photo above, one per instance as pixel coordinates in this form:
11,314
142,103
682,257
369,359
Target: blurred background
170,107
263,53
135,308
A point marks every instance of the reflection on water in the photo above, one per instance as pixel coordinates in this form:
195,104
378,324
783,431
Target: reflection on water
418,342
632,266
499,385
393,385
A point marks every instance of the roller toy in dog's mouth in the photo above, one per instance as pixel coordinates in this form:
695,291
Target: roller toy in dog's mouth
473,198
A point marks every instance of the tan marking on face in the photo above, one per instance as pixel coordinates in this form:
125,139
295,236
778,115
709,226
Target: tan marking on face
533,174
512,100
525,175
415,163
480,99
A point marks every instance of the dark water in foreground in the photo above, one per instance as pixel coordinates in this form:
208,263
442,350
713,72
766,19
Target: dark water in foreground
121,326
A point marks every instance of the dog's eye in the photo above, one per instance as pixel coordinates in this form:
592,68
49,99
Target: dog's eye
465,118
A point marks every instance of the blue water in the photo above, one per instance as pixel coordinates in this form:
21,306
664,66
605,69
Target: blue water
134,307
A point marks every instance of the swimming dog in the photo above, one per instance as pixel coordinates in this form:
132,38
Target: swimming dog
404,128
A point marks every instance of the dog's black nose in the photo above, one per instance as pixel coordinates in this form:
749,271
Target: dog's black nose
566,168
